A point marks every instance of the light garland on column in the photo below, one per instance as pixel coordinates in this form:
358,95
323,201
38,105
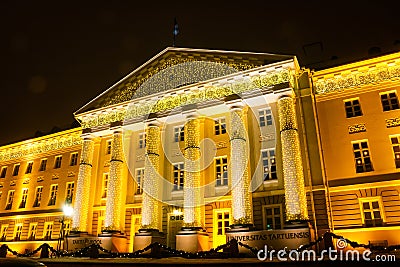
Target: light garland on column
241,196
192,213
81,205
114,202
295,196
150,203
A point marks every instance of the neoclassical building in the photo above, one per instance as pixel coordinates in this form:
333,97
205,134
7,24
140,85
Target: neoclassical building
212,140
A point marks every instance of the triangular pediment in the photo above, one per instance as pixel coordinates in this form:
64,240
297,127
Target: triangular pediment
175,67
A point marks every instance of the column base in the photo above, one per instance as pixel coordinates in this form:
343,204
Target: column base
145,237
241,228
192,239
116,242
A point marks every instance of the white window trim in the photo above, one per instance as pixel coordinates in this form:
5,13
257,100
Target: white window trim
362,200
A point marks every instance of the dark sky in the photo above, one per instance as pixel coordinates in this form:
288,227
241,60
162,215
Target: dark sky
58,55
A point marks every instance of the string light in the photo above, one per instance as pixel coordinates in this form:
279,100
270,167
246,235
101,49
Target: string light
241,196
295,197
81,205
39,145
191,96
192,213
356,77
150,203
114,201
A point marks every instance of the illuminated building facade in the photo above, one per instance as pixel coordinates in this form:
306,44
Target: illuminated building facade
209,140
359,125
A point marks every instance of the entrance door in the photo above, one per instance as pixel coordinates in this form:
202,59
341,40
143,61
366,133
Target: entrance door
136,221
221,222
175,222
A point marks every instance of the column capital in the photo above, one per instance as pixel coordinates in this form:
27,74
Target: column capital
88,136
236,104
153,122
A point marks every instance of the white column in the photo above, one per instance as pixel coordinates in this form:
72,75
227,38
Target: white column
192,212
295,196
114,201
240,182
81,204
151,206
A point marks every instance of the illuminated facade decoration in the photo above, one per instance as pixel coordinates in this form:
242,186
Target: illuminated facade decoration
282,153
81,205
151,205
296,203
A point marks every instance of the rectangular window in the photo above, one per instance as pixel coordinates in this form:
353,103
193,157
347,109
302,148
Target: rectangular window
74,159
395,140
53,194
142,140
265,117
16,169
10,199
272,217
32,231
219,126
3,172
38,196
29,167
108,148
389,101
18,232
371,212
67,227
70,192
105,186
353,108
221,171
269,164
223,222
362,156
43,163
179,134
178,169
48,231
57,162
3,234
24,198
139,181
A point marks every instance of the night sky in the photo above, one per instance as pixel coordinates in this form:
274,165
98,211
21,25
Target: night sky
58,55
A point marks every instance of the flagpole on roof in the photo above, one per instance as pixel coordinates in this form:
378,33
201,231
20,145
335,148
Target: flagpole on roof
175,31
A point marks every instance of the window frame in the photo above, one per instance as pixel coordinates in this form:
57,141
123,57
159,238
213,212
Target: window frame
142,140
45,230
10,196
3,172
24,198
370,200
38,192
29,167
265,117
395,149
104,185
220,126
43,165
73,159
179,134
221,179
360,160
4,232
16,168
389,100
271,160
57,161
178,175
69,192
18,231
31,231
139,177
108,147
352,113
53,195
273,216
